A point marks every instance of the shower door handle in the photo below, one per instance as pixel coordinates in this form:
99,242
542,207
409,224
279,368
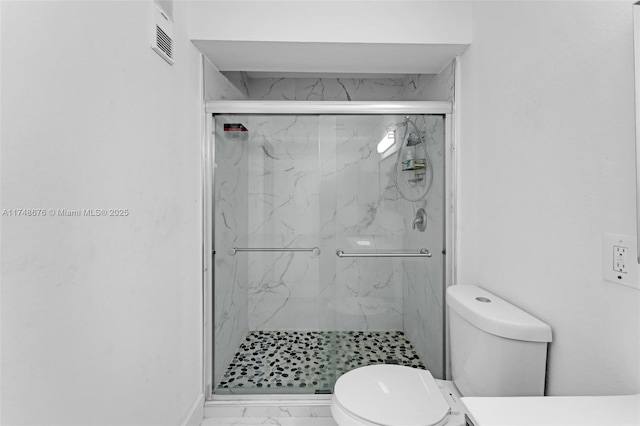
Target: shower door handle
314,250
422,253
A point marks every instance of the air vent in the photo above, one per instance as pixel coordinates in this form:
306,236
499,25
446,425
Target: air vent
162,35
164,42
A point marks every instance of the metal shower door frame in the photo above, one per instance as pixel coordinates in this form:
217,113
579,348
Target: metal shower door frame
212,108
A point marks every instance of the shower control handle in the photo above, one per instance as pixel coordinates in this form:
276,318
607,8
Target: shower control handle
420,221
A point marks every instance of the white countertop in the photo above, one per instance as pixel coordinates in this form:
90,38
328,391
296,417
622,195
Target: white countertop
621,410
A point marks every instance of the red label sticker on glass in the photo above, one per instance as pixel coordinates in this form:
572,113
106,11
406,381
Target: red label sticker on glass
235,127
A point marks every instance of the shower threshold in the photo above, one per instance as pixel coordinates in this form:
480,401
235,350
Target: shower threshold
309,362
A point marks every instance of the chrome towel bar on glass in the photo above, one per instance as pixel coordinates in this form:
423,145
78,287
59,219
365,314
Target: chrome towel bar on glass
422,253
314,250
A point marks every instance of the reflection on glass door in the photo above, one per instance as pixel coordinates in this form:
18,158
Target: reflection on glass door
290,315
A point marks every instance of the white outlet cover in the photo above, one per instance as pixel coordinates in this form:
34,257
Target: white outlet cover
610,242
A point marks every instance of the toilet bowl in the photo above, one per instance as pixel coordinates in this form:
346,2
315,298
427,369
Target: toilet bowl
496,350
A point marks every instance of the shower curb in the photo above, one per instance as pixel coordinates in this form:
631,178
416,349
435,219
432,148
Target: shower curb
270,406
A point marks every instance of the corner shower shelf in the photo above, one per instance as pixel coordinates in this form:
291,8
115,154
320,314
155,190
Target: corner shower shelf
419,168
417,165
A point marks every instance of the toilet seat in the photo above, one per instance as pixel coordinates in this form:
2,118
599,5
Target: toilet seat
389,395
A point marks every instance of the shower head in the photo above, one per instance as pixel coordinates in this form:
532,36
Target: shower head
413,139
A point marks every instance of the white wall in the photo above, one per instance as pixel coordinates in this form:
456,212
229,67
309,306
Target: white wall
429,22
547,166
101,316
329,36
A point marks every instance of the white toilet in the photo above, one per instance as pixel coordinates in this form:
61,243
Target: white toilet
498,361
496,350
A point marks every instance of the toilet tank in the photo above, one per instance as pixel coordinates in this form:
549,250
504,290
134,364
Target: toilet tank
496,348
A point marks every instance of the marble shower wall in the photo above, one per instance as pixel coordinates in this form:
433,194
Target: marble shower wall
284,209
326,89
236,85
230,301
438,87
410,87
219,86
231,185
319,182
424,280
360,213
414,87
424,287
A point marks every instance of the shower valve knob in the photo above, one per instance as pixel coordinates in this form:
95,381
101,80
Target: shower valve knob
420,221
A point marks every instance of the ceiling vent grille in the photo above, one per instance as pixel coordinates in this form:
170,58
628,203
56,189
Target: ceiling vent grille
162,35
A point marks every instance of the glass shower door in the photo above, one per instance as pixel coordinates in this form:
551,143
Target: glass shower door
388,293
290,315
267,314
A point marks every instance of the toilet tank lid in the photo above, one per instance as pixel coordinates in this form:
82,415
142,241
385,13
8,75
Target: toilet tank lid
494,315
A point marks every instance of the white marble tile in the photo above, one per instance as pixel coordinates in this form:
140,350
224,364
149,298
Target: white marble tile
423,296
275,410
320,182
426,87
281,89
218,86
239,79
272,421
231,221
328,89
284,286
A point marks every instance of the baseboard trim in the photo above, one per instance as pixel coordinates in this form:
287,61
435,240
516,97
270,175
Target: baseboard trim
196,413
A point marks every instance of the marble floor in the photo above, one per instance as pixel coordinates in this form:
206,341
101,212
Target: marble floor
271,421
310,362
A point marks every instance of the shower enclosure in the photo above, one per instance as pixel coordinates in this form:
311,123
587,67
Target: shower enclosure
328,234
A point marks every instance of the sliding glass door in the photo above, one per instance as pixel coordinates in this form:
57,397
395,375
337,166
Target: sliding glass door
328,241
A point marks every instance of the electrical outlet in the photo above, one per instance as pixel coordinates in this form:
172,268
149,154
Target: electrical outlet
620,252
619,260
619,266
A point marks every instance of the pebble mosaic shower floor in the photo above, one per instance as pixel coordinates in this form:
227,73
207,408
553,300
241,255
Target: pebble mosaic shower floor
310,362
